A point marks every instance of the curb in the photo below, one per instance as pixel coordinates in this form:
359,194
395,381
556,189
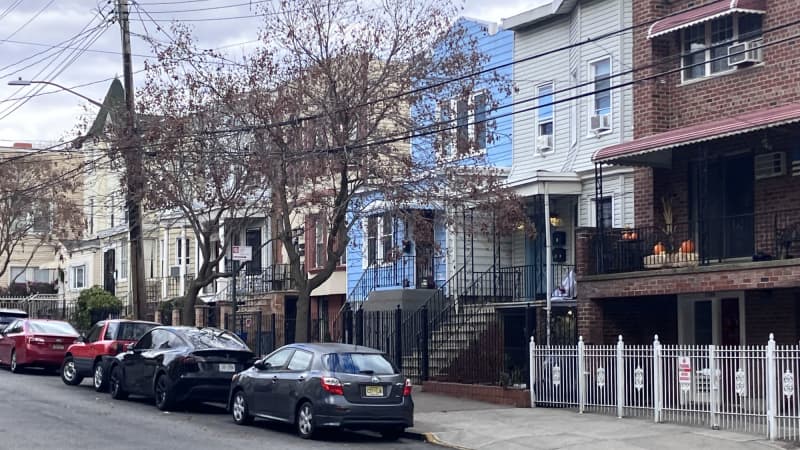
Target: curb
431,439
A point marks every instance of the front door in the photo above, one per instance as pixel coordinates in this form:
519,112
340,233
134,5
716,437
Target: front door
109,271
711,319
253,239
723,203
424,250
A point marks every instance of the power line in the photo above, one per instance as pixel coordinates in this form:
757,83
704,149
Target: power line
38,13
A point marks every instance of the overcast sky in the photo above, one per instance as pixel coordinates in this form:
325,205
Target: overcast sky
39,40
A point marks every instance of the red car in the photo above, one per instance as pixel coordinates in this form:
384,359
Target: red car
106,338
35,342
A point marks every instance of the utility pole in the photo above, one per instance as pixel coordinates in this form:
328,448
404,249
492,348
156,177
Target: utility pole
132,156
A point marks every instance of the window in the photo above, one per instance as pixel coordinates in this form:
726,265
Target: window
279,359
462,126
94,334
446,133
359,363
601,101
481,113
112,208
372,240
182,251
77,279
41,217
161,339
544,112
111,331
607,218
18,275
705,46
387,236
123,261
145,342
319,242
91,215
300,361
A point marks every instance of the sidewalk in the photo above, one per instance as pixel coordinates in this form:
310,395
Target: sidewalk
468,424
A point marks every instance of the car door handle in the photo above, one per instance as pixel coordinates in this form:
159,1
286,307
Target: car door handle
275,379
301,378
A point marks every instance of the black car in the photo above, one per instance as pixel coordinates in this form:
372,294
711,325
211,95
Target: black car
177,364
324,386
9,315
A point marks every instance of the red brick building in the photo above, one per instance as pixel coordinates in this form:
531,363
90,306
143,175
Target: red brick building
715,254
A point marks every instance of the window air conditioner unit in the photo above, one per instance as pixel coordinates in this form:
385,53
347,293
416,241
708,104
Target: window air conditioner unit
544,142
175,271
600,123
744,53
770,165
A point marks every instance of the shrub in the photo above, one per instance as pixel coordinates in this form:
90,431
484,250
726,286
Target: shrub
94,304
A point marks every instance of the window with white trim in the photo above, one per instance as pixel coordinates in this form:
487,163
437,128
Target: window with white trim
182,246
463,124
544,116
77,278
123,261
601,74
319,241
387,236
705,46
372,240
480,101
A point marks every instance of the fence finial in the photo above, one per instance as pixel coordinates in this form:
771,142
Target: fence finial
532,340
620,338
580,338
771,336
656,339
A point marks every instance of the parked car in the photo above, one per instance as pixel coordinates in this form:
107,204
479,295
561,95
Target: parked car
35,342
178,364
317,386
106,338
9,315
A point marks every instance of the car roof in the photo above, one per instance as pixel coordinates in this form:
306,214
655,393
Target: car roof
333,347
132,321
12,311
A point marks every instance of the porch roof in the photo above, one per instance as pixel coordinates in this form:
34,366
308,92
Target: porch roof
705,13
541,181
643,151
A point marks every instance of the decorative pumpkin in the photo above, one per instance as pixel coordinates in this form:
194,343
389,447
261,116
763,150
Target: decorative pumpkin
687,246
659,249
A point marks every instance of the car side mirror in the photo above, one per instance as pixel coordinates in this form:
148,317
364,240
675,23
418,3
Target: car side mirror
261,365
81,338
129,347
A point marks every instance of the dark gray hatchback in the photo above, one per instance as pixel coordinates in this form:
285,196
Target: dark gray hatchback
317,386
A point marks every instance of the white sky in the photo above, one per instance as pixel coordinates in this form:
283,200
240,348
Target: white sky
35,26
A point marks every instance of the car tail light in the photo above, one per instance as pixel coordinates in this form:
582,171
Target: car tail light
332,385
190,364
35,340
407,388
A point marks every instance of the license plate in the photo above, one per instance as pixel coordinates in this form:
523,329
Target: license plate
58,347
227,367
374,391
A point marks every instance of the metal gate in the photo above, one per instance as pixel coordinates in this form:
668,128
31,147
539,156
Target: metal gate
248,326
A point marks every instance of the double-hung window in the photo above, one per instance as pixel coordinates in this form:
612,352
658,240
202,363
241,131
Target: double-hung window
123,261
601,98
705,46
372,240
387,236
481,115
77,279
544,117
319,242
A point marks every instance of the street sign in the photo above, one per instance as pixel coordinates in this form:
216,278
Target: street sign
242,252
685,372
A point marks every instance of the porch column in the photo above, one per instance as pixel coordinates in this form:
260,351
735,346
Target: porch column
182,262
222,283
164,263
548,257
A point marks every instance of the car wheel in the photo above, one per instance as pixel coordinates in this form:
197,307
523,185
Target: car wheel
15,368
392,434
162,390
69,374
305,421
115,383
99,378
240,410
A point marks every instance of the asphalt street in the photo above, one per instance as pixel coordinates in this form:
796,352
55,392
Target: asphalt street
38,411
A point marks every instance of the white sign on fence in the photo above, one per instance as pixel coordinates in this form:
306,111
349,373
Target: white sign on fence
556,375
788,383
601,377
740,383
685,372
242,252
638,379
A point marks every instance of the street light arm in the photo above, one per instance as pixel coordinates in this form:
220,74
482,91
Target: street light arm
25,83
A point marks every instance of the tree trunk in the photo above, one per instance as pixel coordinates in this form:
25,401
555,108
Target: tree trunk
189,301
302,316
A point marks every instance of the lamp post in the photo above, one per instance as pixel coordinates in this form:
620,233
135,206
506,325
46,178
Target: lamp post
21,82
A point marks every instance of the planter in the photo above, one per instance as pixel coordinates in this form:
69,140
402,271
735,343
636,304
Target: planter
518,397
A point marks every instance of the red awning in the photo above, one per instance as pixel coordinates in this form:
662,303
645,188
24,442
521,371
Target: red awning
705,13
706,131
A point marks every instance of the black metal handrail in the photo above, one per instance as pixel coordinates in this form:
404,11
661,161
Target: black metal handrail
276,277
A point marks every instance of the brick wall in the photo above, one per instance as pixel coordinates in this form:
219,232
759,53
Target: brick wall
772,311
639,320
729,277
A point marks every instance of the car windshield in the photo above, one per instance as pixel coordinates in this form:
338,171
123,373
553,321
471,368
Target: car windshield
132,331
211,338
61,328
359,363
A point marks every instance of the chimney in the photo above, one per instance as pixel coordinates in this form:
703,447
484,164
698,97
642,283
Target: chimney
23,145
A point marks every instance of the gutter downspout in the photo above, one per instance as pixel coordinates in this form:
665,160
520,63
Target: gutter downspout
548,256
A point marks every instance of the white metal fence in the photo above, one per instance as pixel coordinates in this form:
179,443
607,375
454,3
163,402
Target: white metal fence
751,389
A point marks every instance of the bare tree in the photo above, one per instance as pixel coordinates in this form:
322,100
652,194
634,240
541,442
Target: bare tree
199,165
39,203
